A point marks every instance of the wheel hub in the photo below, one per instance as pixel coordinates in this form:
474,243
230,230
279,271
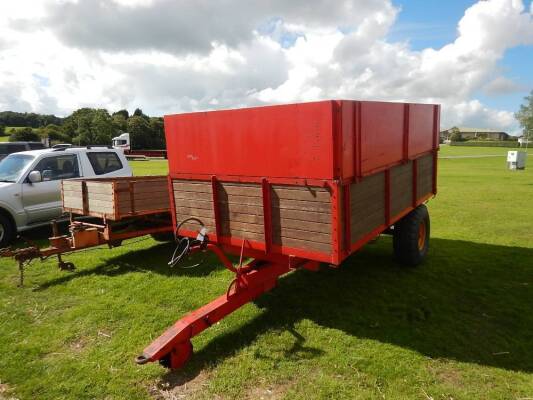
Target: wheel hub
422,235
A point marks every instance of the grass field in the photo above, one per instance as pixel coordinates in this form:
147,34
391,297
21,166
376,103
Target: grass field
4,138
458,327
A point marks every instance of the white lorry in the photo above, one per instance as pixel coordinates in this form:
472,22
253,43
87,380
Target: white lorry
30,183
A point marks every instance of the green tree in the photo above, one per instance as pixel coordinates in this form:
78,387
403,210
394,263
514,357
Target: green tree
157,133
24,135
2,130
102,127
138,112
55,134
124,113
140,132
455,135
120,123
525,116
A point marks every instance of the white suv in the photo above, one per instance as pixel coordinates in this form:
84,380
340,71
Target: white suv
30,183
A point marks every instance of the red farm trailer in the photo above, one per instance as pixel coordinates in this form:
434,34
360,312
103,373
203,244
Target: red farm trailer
291,186
287,186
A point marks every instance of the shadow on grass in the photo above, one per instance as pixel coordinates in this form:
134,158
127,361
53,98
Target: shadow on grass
469,302
154,259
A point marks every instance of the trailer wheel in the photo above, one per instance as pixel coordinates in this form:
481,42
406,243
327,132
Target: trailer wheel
7,231
411,237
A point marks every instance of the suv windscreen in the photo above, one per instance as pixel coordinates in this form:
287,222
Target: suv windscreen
104,163
13,166
53,168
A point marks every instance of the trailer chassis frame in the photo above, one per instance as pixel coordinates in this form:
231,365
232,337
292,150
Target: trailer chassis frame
174,348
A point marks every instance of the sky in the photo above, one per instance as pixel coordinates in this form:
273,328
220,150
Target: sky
170,56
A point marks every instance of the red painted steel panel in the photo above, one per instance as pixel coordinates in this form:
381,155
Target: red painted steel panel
421,119
277,141
381,135
348,138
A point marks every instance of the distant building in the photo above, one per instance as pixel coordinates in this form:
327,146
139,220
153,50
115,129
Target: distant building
474,133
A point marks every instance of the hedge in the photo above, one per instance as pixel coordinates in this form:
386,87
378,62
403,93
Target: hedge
481,143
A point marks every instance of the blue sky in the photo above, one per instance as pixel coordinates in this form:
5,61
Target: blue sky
433,23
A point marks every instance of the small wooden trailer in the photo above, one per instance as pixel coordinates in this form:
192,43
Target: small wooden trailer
124,208
291,186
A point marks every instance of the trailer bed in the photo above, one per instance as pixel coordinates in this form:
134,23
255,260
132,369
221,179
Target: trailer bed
313,180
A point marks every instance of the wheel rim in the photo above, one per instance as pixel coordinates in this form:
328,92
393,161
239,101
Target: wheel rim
2,232
422,235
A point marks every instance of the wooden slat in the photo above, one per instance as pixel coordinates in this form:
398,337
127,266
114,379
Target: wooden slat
242,226
206,220
279,213
205,205
244,200
192,196
301,205
240,208
320,237
299,193
240,217
306,245
203,187
195,212
258,237
99,187
307,226
240,189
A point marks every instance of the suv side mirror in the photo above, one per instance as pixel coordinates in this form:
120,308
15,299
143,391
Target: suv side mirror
35,177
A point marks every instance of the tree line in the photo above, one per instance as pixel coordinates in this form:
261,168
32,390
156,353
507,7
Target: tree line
87,126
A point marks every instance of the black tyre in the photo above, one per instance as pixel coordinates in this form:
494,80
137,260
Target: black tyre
7,231
411,237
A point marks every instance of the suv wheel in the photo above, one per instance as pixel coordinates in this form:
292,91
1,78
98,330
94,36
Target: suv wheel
7,231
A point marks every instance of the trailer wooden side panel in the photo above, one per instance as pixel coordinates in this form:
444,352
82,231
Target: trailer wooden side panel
301,217
116,198
241,211
367,206
425,175
401,190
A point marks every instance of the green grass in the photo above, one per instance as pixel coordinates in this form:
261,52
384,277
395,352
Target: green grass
4,138
460,326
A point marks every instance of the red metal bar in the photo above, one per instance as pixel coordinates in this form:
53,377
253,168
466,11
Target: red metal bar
415,182
387,197
357,142
336,223
174,345
267,214
434,177
347,219
406,133
216,210
172,203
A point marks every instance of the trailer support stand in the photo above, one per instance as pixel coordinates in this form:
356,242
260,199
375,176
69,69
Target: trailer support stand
173,348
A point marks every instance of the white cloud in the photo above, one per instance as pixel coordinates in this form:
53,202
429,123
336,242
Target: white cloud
169,56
